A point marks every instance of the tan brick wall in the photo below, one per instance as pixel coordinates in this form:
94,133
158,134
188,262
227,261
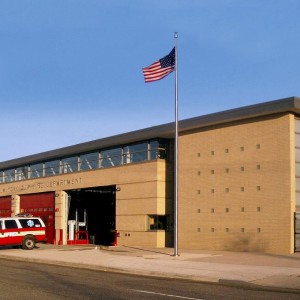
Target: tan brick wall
236,187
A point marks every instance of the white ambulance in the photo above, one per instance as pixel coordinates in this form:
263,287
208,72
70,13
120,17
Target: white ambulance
22,231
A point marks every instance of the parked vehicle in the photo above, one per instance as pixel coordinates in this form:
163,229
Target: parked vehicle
23,231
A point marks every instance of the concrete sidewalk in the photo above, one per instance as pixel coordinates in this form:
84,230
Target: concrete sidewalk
235,268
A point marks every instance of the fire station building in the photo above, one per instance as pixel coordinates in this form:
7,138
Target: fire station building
238,184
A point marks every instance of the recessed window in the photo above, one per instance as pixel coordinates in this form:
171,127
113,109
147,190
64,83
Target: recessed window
156,222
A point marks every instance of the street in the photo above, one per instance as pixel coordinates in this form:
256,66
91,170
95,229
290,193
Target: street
26,280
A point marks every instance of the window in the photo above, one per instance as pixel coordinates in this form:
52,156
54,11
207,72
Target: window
36,170
52,167
158,149
103,158
21,173
69,164
136,153
9,175
111,157
156,222
88,161
28,223
10,224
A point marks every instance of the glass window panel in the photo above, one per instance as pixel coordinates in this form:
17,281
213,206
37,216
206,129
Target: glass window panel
156,222
88,161
52,168
136,153
29,223
154,145
22,173
9,224
111,158
36,170
1,176
159,149
69,164
9,175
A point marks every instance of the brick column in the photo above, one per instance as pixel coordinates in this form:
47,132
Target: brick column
61,227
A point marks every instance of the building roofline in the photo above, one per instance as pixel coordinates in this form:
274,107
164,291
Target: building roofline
286,105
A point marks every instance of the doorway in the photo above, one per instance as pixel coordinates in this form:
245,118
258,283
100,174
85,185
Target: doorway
94,210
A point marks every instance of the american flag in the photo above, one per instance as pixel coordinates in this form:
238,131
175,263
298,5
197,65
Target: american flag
161,68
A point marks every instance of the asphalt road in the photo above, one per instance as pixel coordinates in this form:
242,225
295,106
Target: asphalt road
20,280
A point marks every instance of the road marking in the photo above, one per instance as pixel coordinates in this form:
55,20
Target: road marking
167,295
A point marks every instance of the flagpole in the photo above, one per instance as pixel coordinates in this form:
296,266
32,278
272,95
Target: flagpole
176,152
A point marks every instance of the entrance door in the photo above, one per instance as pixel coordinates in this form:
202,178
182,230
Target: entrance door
41,205
100,207
5,207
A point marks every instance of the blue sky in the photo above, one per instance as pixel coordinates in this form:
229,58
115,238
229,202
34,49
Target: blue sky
70,70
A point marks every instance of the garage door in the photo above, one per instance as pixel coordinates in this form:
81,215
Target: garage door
41,205
5,206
